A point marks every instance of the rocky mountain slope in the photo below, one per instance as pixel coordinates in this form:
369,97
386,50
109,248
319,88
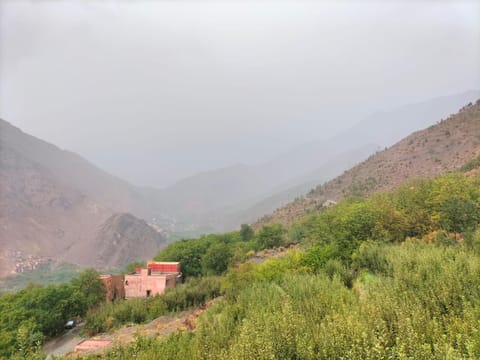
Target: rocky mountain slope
123,238
221,199
440,148
326,172
54,204
69,168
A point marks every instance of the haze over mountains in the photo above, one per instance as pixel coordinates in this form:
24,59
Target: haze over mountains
443,147
222,199
56,204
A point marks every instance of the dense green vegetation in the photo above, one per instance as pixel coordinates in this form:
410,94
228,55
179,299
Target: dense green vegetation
211,254
450,203
202,261
422,302
110,315
394,276
38,312
45,274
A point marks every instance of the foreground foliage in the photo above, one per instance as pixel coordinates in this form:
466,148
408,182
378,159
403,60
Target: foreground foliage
37,312
111,315
395,276
212,254
424,304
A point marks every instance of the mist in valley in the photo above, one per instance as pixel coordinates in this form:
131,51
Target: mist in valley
239,179
198,116
154,92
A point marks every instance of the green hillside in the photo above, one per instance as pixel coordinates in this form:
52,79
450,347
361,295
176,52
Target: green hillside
394,276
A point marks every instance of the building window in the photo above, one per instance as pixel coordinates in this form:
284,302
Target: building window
149,292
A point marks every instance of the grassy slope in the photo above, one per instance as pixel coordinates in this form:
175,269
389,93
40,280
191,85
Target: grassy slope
359,291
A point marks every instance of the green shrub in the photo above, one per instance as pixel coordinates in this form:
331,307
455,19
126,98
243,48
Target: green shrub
270,236
470,165
424,307
371,256
194,292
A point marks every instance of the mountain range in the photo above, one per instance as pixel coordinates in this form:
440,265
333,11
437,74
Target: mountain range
55,204
443,147
222,199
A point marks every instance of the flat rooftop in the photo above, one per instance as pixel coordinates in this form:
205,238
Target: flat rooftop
92,344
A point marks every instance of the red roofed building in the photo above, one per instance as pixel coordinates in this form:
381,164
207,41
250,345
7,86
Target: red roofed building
164,267
153,280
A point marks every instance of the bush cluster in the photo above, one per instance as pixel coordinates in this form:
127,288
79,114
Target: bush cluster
212,254
425,307
110,315
394,276
37,312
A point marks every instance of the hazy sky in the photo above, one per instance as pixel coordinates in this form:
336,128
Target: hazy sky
155,90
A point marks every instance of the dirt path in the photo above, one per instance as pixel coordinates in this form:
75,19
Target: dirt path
159,327
63,344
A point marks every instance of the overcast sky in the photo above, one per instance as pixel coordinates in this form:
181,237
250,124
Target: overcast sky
156,90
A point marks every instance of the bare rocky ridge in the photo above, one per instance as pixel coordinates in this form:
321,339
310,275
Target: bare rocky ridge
47,210
443,147
123,238
73,171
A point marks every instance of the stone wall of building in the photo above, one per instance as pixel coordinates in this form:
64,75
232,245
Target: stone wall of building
145,284
114,288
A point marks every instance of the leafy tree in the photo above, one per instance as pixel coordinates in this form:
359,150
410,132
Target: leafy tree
89,284
459,215
191,252
270,236
216,259
317,256
188,252
29,342
370,256
37,312
246,232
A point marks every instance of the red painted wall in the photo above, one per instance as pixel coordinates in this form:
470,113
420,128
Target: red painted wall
164,267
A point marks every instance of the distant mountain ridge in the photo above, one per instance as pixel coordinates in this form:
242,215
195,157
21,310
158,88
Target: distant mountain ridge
219,200
73,170
440,148
222,199
54,204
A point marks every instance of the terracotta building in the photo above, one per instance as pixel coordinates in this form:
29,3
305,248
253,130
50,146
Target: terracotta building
153,280
114,288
